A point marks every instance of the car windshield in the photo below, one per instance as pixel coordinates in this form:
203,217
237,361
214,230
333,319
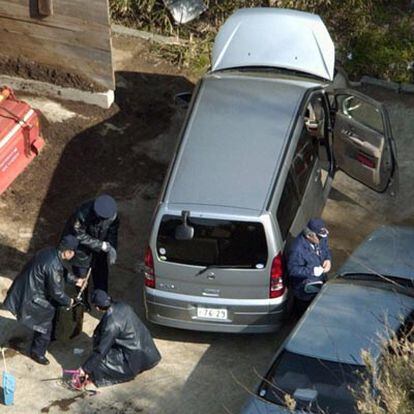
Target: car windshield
215,242
333,382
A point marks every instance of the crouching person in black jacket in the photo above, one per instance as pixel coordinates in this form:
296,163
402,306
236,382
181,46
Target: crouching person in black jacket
38,290
122,345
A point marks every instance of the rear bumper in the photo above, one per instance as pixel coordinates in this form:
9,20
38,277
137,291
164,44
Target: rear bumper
243,315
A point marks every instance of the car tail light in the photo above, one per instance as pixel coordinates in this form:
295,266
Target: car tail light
277,287
149,269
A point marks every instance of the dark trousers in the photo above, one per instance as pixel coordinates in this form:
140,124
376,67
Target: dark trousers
301,306
40,342
99,271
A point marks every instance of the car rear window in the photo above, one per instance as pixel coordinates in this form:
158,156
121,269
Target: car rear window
332,380
215,242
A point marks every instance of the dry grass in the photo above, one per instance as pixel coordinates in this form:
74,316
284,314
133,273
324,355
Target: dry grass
389,389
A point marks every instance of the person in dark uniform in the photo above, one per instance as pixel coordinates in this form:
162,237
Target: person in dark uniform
309,260
122,345
38,290
95,224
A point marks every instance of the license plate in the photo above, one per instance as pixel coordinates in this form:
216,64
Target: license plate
211,313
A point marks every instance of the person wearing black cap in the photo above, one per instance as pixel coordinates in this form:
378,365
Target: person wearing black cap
38,290
309,260
95,224
122,345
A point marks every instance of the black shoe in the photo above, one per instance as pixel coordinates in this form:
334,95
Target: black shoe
40,359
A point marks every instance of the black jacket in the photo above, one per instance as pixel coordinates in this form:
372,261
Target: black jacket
122,347
37,290
91,231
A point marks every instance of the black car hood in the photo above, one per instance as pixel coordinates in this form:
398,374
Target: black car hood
387,251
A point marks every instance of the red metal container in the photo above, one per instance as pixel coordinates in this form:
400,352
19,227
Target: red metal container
20,139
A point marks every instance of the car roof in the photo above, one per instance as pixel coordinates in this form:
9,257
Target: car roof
347,318
386,252
234,139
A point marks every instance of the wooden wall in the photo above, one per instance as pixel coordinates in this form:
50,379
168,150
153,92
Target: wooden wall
77,37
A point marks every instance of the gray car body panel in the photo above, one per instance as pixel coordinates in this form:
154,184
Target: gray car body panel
347,317
220,136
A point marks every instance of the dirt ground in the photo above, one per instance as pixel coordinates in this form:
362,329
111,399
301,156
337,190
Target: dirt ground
125,151
28,69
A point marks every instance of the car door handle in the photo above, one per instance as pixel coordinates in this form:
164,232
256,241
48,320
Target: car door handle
352,137
317,175
211,292
372,149
356,140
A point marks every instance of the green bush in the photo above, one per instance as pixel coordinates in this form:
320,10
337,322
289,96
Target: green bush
384,52
378,34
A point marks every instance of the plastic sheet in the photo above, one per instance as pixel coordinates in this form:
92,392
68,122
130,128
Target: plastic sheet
183,11
8,383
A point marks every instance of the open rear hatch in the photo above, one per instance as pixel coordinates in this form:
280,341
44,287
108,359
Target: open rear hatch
279,38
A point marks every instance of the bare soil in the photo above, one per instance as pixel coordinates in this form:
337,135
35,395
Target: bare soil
28,69
97,150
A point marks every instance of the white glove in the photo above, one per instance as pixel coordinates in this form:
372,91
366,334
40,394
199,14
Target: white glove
112,255
317,271
105,246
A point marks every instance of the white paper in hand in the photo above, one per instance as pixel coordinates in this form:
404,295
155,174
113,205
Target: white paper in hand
317,271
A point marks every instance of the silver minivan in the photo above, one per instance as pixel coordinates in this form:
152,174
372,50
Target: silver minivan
264,134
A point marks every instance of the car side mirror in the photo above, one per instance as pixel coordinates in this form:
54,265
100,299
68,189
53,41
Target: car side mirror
182,100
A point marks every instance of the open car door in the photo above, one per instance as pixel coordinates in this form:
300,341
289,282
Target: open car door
363,144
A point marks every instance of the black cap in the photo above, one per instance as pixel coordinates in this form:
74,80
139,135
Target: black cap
318,226
68,242
105,206
101,298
